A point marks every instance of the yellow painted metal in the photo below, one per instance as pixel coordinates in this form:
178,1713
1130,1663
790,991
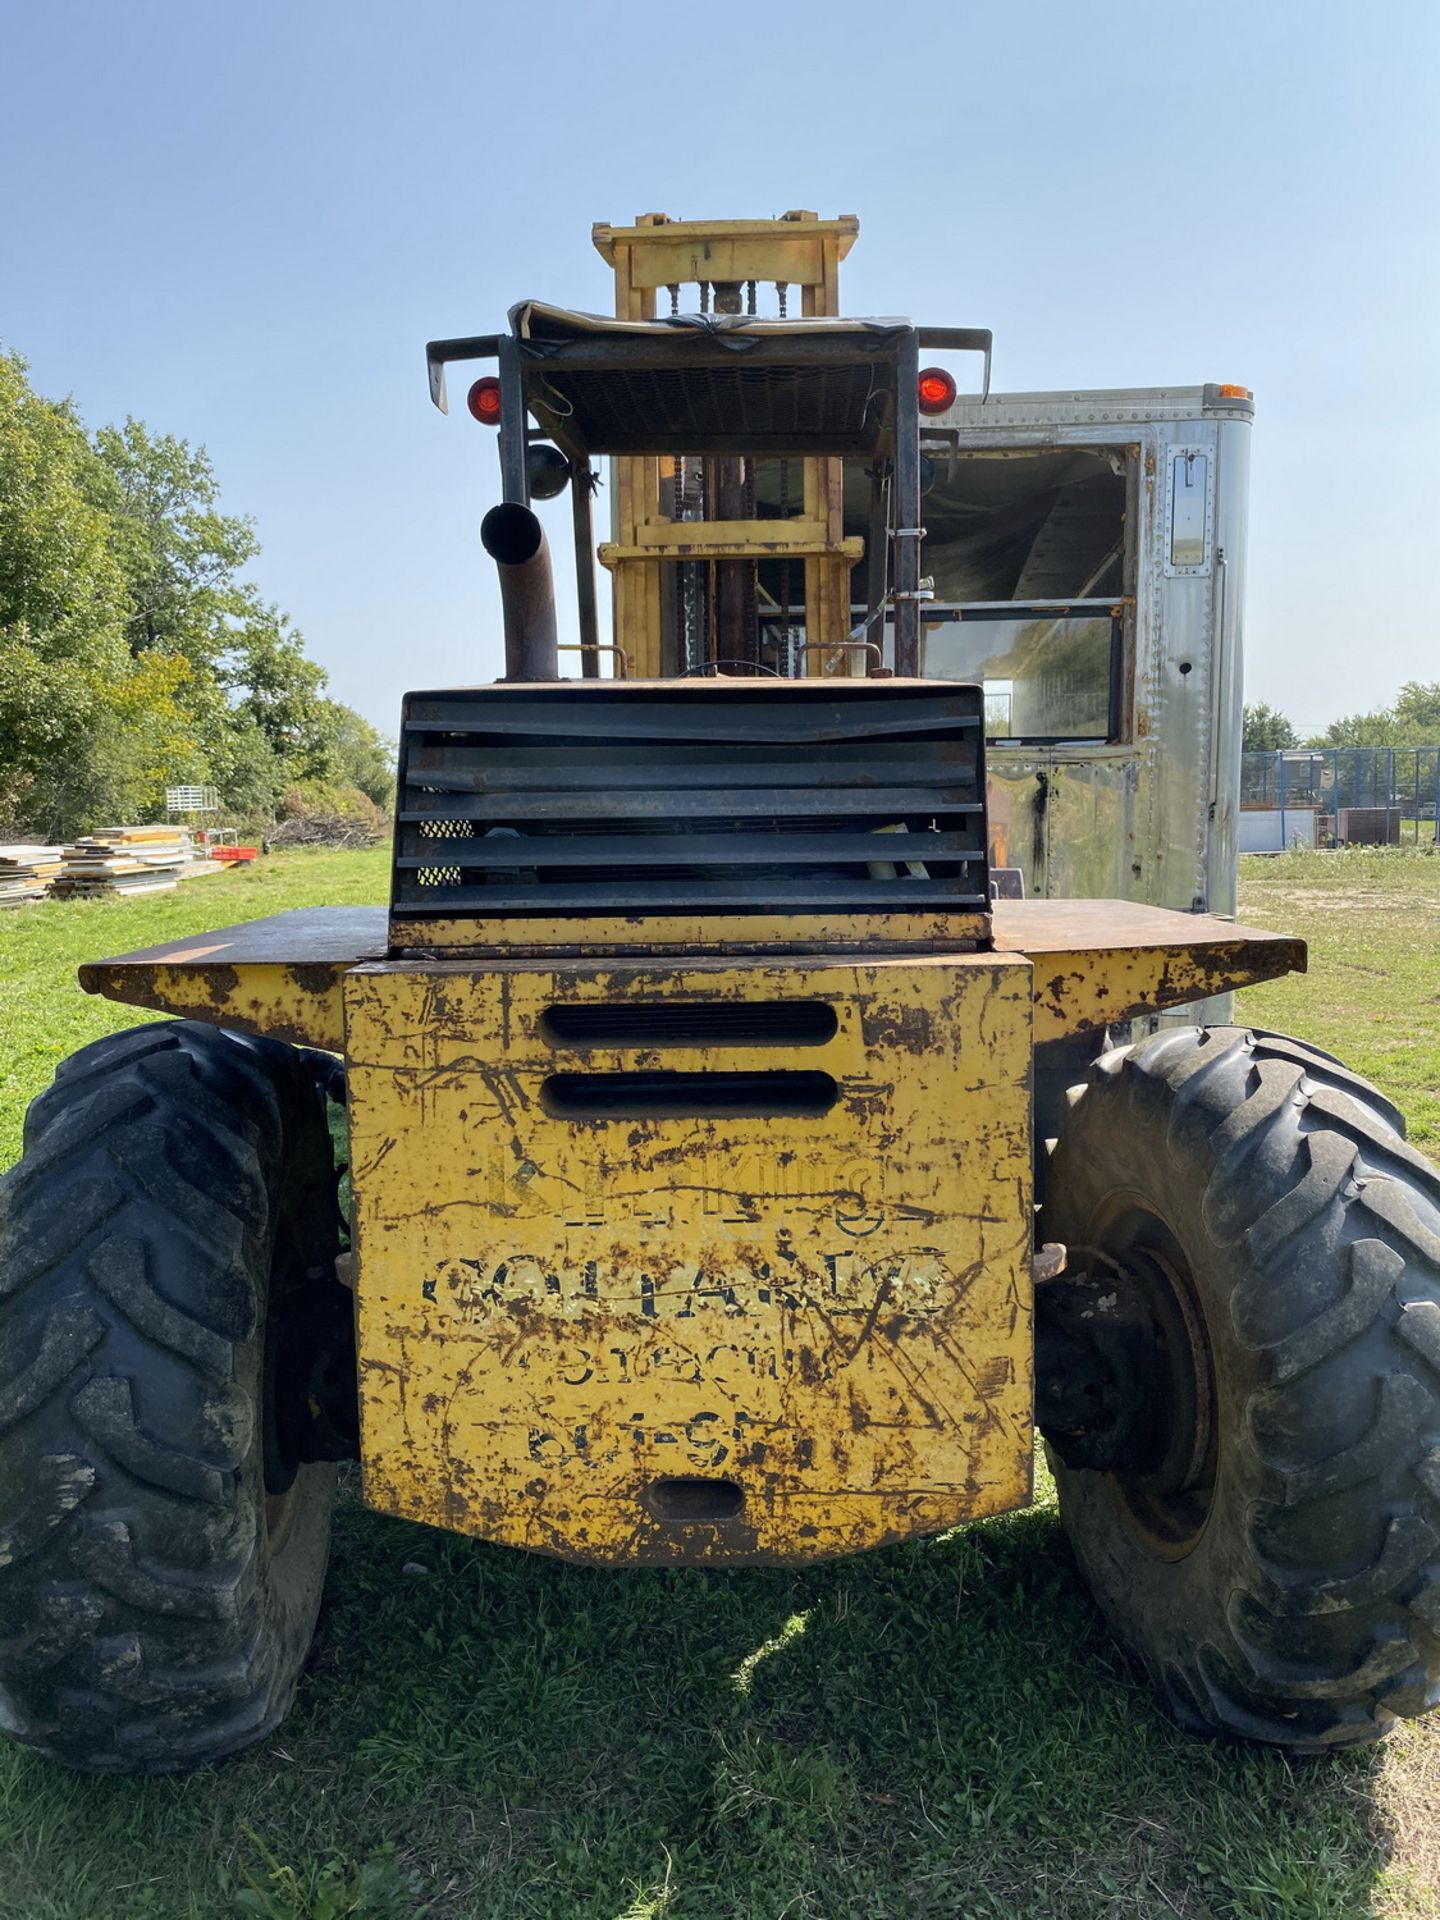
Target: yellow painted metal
566,1324
278,975
1080,990
636,604
801,252
1099,962
578,1322
1095,961
256,999
659,251
264,998
729,540
766,536
680,934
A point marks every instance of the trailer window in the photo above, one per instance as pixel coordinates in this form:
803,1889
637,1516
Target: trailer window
1047,675
1027,524
1192,504
1030,553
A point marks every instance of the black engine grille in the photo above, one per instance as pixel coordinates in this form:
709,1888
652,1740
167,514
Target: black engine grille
707,796
751,408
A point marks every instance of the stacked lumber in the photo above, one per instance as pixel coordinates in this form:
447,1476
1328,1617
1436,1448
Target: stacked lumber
26,873
124,860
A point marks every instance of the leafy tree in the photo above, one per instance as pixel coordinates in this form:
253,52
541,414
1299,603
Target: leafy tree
1360,730
1267,730
138,741
181,555
70,692
133,655
364,758
245,769
256,699
1413,721
1417,712
282,692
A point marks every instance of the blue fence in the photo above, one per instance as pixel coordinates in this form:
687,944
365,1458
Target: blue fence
1369,794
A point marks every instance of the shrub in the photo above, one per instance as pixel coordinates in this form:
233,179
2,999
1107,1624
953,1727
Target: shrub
316,813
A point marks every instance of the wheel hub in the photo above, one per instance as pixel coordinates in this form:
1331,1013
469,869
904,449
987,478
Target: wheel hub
312,1410
1095,1373
1124,1384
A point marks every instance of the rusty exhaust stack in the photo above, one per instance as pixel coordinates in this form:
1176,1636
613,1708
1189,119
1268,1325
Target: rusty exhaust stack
515,541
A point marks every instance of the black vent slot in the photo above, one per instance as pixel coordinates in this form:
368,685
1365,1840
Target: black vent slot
691,796
749,408
688,1096
691,1500
681,1023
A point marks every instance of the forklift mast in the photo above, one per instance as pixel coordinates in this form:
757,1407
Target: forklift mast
728,427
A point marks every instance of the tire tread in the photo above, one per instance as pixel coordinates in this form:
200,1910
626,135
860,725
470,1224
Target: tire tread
1307,1174
134,1238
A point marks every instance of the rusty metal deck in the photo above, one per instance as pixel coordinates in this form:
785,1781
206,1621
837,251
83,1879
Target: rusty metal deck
278,975
1097,962
1094,962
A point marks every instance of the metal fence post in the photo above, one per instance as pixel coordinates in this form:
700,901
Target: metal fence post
1335,795
1284,837
1418,792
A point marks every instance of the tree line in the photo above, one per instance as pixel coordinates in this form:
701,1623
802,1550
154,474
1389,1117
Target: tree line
1411,720
133,655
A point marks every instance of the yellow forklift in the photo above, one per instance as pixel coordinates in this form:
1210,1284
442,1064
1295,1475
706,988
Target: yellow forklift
732,1177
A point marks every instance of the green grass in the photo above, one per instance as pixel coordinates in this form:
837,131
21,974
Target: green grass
941,1730
43,1013
1372,995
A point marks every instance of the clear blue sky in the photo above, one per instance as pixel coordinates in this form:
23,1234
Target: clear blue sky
241,223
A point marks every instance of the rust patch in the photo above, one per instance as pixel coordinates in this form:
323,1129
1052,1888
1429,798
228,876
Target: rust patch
315,978
889,1025
222,984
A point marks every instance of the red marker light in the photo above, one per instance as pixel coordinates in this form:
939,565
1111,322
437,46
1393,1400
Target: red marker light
483,400
937,390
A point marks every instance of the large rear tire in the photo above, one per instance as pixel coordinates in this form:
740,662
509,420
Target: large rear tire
162,1548
1276,1566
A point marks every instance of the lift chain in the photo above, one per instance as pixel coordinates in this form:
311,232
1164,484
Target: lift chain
787,635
